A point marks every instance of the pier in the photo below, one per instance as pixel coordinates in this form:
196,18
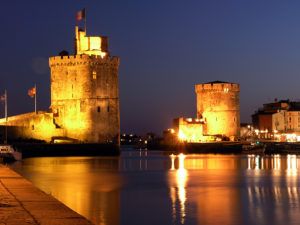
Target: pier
22,203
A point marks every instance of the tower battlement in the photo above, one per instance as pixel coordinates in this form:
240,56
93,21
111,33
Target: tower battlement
75,60
223,87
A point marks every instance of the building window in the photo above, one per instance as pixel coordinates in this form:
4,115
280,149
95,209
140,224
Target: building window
94,75
107,108
98,109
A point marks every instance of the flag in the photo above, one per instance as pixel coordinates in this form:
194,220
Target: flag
80,15
32,92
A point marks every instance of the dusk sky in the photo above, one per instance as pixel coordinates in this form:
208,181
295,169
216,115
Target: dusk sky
165,48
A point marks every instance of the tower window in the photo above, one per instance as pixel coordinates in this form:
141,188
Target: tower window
98,109
94,75
107,108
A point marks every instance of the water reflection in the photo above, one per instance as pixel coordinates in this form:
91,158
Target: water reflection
89,186
143,187
227,194
289,163
178,192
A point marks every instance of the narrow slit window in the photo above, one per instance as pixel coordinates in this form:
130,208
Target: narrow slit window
94,75
98,109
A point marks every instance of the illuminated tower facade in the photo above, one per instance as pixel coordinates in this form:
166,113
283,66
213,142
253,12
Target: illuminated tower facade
218,104
85,91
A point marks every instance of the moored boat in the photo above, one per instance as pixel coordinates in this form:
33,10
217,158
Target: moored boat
254,148
9,154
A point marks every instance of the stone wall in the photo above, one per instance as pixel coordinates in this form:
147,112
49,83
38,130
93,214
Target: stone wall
219,105
31,126
85,97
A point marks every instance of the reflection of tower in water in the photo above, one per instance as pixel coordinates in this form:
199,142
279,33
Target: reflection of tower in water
177,191
210,202
89,186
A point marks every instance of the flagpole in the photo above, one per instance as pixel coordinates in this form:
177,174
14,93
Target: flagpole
5,97
35,98
85,21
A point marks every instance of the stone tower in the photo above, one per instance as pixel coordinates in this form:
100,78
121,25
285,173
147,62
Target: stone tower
85,92
218,104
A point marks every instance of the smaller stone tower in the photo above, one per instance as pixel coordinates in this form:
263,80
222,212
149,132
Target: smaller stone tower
218,104
85,91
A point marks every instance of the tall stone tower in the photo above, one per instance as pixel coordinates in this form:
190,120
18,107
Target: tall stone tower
218,104
85,92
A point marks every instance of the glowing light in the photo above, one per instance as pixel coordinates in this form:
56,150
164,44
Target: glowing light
181,181
178,193
291,165
181,135
89,45
172,131
190,132
291,137
172,156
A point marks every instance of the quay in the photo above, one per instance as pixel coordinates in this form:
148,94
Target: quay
21,203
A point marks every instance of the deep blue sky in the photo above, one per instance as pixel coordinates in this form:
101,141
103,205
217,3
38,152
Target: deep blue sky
166,47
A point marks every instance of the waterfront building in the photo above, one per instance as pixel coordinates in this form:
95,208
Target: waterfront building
84,97
278,117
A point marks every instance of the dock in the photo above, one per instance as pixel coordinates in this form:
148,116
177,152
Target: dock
23,203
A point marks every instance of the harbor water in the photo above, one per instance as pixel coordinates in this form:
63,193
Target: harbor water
153,187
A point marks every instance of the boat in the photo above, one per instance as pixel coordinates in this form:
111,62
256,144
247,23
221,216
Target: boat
9,154
254,148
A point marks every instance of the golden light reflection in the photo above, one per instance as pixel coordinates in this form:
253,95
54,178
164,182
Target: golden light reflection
179,191
173,157
73,185
181,182
277,163
292,165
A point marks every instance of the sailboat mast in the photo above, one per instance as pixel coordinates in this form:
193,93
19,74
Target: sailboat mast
5,98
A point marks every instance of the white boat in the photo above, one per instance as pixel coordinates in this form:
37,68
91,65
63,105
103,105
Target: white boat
8,153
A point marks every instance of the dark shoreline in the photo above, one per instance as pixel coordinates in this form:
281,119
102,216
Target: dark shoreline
44,149
227,147
56,150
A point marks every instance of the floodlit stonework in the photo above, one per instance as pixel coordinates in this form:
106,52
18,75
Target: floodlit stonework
218,116
218,104
84,97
